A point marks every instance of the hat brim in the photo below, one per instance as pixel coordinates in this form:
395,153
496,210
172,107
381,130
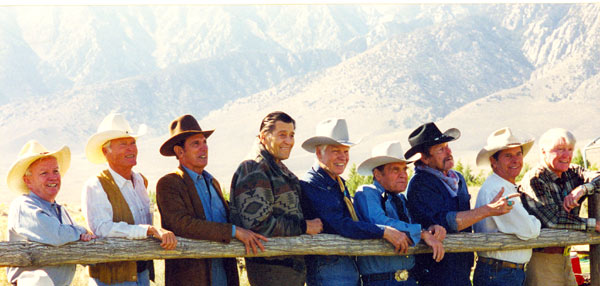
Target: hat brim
14,178
311,144
93,148
366,167
167,148
449,135
483,157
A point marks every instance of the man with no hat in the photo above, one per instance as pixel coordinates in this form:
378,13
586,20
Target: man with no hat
36,216
382,203
325,196
553,192
116,203
191,204
439,195
504,152
265,197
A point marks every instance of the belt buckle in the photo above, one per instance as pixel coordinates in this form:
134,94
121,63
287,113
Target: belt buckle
401,275
567,251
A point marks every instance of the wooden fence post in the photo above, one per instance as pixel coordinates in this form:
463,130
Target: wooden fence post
594,211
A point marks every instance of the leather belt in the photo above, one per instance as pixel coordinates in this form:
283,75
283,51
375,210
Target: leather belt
497,263
403,276
287,262
550,250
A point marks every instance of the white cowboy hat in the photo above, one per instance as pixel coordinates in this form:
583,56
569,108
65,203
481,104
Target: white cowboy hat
31,152
112,127
384,153
333,131
499,140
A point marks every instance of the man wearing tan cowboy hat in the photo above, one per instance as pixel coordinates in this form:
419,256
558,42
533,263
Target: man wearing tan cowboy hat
192,205
265,197
504,152
116,203
35,216
382,203
553,191
439,195
325,196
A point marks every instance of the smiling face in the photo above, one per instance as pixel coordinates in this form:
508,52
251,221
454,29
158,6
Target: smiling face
393,178
509,163
122,153
43,178
439,158
559,157
334,159
194,154
279,141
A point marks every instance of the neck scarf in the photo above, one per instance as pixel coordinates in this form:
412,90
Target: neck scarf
450,181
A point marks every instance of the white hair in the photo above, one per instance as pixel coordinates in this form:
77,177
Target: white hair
553,136
107,145
321,148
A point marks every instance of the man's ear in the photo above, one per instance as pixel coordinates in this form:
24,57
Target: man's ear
377,174
178,150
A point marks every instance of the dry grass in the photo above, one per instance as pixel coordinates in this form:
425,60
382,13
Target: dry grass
81,276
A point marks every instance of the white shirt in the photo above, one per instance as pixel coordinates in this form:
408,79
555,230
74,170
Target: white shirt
518,221
99,213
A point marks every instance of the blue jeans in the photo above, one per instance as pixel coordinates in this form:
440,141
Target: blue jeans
143,279
331,270
487,275
410,282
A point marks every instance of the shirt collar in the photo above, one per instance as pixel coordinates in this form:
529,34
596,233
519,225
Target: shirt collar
497,177
119,180
378,187
323,177
195,176
35,197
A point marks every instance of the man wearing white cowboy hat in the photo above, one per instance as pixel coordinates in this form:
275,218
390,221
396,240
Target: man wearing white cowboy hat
382,203
439,195
36,216
553,191
192,205
265,197
504,153
325,196
116,203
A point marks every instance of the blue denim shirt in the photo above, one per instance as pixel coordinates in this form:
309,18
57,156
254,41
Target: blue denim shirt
322,198
214,210
429,203
33,219
368,202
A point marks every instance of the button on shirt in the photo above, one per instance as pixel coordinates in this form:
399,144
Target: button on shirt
34,219
368,202
99,213
518,221
214,210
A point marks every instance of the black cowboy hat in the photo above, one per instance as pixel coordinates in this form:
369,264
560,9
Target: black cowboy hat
180,129
428,135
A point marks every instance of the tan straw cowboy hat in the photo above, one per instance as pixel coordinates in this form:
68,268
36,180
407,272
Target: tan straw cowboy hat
113,126
333,131
31,152
499,140
180,129
384,153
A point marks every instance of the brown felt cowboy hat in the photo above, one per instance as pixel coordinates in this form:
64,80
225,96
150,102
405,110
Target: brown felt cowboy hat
428,135
180,129
499,140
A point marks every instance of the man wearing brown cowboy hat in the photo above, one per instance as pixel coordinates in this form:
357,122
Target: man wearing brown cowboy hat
192,205
325,196
116,203
36,216
504,152
382,203
265,197
439,195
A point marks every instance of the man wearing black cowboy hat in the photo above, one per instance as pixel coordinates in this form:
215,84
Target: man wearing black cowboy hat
439,195
192,205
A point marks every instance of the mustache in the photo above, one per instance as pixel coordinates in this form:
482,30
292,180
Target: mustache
449,158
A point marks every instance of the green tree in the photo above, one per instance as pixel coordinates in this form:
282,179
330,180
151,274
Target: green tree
578,160
470,177
355,180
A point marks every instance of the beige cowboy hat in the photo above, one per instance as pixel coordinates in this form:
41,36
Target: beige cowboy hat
113,126
385,153
499,140
31,152
333,131
180,129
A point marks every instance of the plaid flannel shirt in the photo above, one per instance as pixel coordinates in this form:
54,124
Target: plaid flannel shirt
543,193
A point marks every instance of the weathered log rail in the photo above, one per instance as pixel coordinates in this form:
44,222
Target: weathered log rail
107,250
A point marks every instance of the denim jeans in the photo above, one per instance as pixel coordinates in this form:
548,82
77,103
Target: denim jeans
486,275
410,282
331,270
143,279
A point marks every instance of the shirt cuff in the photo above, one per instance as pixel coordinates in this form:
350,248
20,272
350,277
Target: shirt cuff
233,230
451,220
591,224
303,226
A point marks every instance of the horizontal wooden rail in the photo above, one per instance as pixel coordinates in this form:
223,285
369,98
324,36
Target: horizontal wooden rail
118,249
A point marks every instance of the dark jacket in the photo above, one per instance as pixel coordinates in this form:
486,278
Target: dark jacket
182,213
430,203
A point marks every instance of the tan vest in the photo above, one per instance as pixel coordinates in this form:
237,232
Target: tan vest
116,272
